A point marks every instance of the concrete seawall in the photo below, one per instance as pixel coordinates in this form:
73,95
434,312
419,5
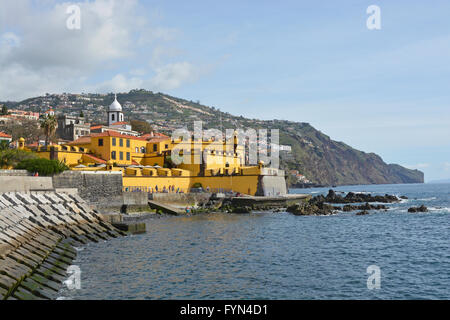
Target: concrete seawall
21,180
37,234
99,188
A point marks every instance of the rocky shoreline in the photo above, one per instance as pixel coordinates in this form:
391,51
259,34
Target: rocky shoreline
332,203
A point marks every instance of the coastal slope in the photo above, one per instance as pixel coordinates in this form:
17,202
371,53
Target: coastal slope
314,154
328,162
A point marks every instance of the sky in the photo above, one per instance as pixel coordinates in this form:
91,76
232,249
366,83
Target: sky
385,90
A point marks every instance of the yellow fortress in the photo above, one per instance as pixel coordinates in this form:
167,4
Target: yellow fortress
148,162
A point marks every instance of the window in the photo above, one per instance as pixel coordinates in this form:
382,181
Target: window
166,146
113,155
113,117
100,142
155,147
128,143
137,149
114,142
120,155
121,142
128,156
142,149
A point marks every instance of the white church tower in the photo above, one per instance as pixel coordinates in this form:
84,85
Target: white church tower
115,113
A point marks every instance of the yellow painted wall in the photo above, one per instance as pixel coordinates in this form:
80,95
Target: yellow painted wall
145,183
242,184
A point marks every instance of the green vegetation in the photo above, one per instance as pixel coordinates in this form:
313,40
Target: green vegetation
4,145
197,185
49,124
141,126
168,163
43,166
12,157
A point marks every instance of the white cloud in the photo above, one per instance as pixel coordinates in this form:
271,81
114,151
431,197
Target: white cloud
39,54
119,83
446,166
172,75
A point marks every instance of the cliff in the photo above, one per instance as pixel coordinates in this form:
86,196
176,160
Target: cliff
328,162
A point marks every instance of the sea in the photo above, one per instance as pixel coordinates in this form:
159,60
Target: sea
389,254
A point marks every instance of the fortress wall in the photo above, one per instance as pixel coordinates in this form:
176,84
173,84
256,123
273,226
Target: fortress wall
242,184
135,198
181,199
97,187
13,183
271,186
21,173
144,182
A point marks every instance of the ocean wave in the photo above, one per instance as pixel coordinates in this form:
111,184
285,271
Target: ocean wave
426,199
439,209
393,208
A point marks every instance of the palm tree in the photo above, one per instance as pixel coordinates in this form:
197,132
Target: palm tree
4,145
49,124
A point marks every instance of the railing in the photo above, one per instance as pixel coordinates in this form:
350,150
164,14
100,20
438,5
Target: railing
170,190
152,190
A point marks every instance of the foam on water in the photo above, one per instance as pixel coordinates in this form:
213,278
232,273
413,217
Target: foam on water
439,209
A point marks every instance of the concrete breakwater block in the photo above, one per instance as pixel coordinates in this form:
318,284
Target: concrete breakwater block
37,231
132,228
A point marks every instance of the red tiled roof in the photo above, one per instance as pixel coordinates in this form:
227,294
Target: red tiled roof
159,139
81,140
111,133
96,127
161,135
4,135
95,158
154,135
120,122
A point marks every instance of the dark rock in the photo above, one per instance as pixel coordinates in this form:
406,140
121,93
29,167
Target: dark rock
362,213
351,197
403,197
364,207
306,209
331,194
245,209
349,207
422,208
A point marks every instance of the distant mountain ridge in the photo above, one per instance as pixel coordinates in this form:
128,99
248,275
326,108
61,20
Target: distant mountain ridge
321,159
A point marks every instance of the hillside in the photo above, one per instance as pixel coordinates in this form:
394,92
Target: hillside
314,154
